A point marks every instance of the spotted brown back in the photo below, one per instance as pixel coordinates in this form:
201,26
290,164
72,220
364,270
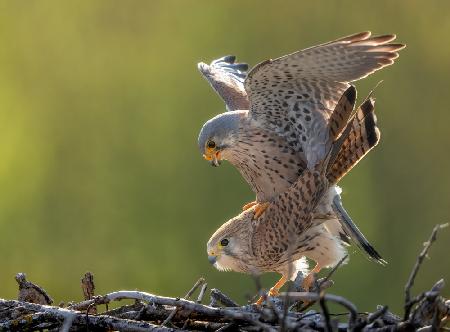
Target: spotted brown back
289,216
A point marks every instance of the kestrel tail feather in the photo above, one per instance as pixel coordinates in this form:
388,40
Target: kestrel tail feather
342,112
340,126
337,146
359,136
362,137
354,233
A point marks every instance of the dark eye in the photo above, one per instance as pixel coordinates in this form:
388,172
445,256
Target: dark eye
224,242
211,144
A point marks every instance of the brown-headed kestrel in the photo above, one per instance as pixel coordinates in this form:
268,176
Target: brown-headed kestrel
292,133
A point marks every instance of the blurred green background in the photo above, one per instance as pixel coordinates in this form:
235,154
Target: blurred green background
100,107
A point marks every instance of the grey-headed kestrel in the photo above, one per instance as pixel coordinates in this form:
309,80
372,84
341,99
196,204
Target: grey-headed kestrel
279,127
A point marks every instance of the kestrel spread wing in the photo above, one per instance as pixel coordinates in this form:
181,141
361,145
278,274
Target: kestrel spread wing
294,95
291,101
227,79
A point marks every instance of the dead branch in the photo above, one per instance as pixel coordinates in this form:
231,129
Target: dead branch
187,296
88,288
409,284
34,315
428,311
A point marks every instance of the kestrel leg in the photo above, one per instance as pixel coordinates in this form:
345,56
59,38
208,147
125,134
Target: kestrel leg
274,291
259,209
309,279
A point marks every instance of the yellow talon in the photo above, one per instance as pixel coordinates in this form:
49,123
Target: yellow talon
259,209
249,205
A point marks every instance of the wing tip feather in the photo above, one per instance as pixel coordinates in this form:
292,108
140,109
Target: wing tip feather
355,37
383,39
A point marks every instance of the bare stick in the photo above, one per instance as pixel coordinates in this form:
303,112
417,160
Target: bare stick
225,327
187,296
30,292
427,311
72,318
68,321
194,288
199,300
324,280
297,306
202,293
218,296
377,314
328,297
249,317
325,312
88,288
408,303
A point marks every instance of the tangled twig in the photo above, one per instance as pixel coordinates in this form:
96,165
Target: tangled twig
428,311
412,277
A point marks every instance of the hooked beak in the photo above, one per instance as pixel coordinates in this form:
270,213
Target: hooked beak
212,259
214,158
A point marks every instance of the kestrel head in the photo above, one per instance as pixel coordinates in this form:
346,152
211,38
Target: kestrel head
229,247
218,135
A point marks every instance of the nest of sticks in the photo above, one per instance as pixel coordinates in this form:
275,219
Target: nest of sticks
33,311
